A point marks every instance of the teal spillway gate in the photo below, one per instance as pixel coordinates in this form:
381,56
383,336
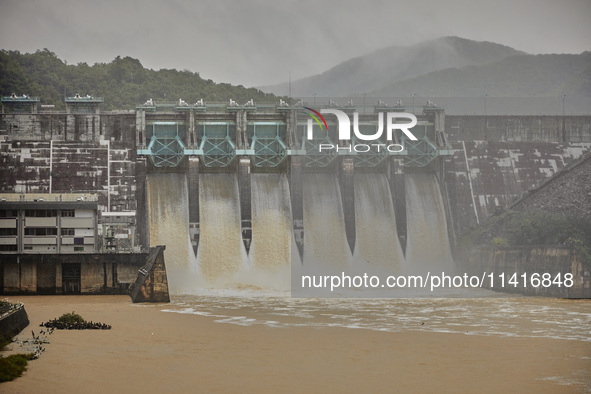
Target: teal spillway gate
421,152
217,146
166,147
268,148
310,149
371,158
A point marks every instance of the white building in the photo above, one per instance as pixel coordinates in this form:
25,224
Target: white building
48,223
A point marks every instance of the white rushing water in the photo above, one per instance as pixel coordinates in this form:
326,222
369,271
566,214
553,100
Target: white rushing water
222,260
271,221
168,202
271,249
427,246
325,243
221,252
376,240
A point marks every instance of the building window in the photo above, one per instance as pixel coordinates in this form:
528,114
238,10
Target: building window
69,213
40,213
8,248
68,231
40,231
8,231
78,241
8,213
78,248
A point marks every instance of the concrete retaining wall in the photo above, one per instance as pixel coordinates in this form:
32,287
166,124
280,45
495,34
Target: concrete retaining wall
518,128
485,177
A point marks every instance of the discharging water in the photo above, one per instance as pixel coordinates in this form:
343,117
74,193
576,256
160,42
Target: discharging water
272,248
222,259
271,222
325,242
375,224
169,225
221,252
427,247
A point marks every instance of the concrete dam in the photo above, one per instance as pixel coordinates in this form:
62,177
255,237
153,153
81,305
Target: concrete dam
238,192
238,202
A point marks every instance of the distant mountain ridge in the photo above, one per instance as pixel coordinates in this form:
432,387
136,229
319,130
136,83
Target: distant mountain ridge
515,76
386,66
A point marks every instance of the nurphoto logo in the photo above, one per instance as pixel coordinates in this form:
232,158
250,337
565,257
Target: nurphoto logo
344,130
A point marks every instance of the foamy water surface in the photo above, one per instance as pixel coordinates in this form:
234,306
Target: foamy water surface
497,314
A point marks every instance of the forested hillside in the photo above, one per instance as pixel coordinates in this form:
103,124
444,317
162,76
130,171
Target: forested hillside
123,83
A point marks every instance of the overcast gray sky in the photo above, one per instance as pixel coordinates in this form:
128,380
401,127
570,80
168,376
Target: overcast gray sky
259,42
